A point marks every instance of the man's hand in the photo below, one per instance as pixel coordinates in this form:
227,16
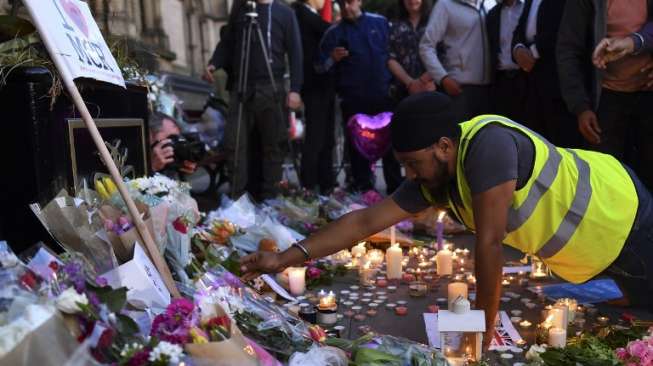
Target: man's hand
451,86
612,49
339,53
188,167
259,263
294,101
588,125
648,70
524,58
162,156
418,86
208,74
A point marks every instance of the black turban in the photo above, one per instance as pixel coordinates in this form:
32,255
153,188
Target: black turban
420,120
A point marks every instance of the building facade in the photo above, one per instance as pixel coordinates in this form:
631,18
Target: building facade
162,35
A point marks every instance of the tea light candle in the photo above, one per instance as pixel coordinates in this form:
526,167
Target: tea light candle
505,282
358,250
393,257
525,324
297,280
390,306
454,290
354,288
417,289
392,289
603,320
444,262
402,302
382,282
458,277
557,337
401,310
327,301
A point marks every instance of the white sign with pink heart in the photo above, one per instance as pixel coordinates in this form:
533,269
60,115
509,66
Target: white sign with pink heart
73,35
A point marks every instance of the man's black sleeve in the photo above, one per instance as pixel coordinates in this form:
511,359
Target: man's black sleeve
295,53
223,52
573,56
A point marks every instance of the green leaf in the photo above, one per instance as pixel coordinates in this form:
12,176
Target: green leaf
126,325
115,300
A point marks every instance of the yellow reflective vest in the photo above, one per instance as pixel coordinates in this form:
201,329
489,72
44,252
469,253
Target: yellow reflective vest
575,211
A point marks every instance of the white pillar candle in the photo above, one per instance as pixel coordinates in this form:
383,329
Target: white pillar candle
297,280
444,262
559,313
454,290
557,337
572,305
393,257
358,250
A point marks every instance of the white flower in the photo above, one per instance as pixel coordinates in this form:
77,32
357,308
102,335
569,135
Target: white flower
533,353
165,351
8,259
67,301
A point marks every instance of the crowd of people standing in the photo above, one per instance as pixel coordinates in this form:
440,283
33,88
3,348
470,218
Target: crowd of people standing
578,73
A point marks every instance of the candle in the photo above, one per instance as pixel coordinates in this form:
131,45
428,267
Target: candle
393,257
525,324
417,289
505,282
328,301
603,320
382,282
454,290
444,262
538,269
572,305
375,257
358,250
559,317
297,280
439,228
366,274
557,337
471,279
393,235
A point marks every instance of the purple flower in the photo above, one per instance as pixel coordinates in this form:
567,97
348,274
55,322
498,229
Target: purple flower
371,197
140,358
621,353
75,275
93,299
101,281
175,323
313,272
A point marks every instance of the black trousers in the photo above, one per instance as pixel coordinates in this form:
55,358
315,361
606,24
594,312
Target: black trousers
361,171
509,95
474,101
626,123
317,150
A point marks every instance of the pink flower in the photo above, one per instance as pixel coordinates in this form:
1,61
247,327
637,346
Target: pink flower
371,197
621,353
314,272
174,325
637,348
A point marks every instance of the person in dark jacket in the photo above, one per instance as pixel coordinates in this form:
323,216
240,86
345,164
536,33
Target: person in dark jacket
611,104
510,87
533,49
263,124
319,97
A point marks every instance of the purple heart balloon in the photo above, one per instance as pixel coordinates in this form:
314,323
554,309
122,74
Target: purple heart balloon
370,134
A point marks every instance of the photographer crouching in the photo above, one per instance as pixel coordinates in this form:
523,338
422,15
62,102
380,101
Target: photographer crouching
172,153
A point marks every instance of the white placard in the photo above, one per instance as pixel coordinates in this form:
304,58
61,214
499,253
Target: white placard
69,30
144,284
277,287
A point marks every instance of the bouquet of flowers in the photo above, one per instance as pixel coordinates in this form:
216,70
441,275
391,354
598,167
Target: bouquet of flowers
321,273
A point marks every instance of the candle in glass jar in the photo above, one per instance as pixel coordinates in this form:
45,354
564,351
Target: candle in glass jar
375,257
366,274
454,290
297,280
358,250
559,314
328,301
572,305
444,262
393,257
557,337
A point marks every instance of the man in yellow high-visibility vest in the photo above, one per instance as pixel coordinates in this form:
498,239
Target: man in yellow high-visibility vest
581,212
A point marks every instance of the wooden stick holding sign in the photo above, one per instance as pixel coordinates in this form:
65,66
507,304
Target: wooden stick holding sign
77,48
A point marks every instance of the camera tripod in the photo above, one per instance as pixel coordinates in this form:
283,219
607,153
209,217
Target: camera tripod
252,29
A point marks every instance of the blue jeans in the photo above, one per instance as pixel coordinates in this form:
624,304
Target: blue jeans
633,268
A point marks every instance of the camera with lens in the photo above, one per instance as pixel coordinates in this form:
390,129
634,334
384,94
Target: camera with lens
187,147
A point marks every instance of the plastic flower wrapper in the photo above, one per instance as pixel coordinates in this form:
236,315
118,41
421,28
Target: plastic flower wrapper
179,234
385,350
319,356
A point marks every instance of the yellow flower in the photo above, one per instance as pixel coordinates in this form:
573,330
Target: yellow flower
198,336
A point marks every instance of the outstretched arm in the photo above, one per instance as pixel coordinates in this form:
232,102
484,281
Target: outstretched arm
340,234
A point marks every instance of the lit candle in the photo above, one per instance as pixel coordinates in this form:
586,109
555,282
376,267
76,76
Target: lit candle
559,313
557,337
466,252
525,324
375,257
358,250
401,310
505,282
328,301
471,279
454,290
572,305
297,280
366,274
439,228
394,257
538,269
603,320
444,262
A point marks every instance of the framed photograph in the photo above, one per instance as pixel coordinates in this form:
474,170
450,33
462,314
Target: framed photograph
126,140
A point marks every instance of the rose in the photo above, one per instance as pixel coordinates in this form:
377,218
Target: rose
314,272
622,354
69,300
637,348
